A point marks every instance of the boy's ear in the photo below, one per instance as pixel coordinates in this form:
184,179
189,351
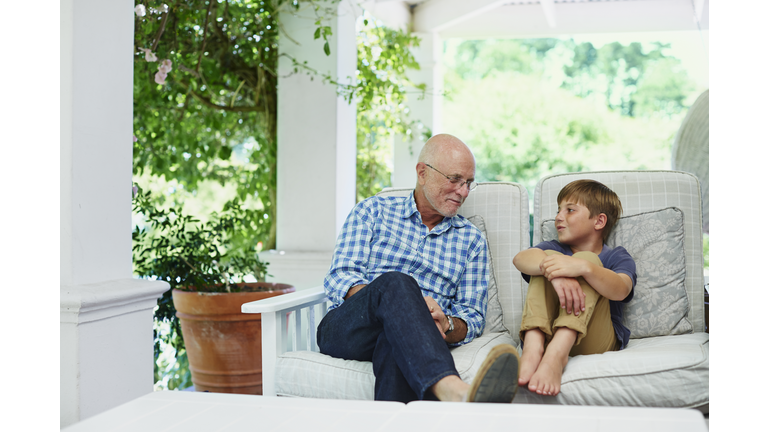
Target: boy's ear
600,221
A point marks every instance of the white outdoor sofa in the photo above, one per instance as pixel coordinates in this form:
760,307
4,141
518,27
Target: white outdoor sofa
666,363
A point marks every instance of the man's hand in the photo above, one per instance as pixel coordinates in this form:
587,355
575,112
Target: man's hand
353,290
437,315
572,297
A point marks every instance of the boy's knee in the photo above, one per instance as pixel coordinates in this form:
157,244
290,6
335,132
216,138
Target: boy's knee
589,256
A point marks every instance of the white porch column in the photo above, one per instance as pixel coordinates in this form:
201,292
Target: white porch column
106,354
427,110
316,146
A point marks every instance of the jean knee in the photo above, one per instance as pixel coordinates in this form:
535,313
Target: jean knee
400,282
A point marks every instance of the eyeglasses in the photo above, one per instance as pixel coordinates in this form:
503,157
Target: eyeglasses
460,182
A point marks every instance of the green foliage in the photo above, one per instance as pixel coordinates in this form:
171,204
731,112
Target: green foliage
189,255
383,57
212,118
171,364
625,78
554,106
219,99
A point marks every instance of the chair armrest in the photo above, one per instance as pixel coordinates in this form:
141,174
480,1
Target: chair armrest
288,323
294,300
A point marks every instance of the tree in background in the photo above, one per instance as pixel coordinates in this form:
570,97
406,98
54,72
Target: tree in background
205,110
205,101
534,107
383,59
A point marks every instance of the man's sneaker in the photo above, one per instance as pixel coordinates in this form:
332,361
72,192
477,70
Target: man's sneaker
496,381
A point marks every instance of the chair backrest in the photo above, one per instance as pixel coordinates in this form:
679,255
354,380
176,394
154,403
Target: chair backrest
645,193
500,210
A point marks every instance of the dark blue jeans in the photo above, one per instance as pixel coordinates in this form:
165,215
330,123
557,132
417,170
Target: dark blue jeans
388,323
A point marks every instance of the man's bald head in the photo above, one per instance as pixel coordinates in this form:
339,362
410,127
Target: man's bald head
441,145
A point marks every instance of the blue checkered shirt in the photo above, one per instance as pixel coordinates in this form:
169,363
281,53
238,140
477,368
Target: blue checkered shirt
385,234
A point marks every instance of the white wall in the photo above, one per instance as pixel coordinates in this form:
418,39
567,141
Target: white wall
315,133
96,146
106,345
427,110
316,146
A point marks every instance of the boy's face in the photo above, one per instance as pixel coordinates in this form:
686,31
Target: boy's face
573,223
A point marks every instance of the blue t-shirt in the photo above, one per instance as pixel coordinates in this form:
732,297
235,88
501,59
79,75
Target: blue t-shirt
617,260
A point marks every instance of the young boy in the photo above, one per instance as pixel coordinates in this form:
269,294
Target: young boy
589,281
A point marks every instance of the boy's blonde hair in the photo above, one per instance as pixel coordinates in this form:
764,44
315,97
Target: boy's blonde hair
596,197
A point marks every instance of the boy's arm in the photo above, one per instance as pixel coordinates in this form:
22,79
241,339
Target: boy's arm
529,261
611,285
568,290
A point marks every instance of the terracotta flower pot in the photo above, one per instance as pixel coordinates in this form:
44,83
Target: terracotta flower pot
224,344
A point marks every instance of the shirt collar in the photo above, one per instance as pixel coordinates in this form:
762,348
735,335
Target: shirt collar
409,209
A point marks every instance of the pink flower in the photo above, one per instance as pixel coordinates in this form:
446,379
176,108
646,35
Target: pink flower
140,10
135,190
165,66
135,139
148,55
162,71
160,77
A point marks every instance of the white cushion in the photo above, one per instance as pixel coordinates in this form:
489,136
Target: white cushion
494,322
316,375
665,371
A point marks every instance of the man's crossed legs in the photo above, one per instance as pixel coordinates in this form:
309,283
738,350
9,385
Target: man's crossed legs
389,323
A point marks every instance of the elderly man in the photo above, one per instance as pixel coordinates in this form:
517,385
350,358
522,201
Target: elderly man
409,279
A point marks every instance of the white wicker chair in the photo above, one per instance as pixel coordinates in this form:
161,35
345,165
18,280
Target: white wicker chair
291,363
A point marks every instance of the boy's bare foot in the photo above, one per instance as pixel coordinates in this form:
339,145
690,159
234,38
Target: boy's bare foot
533,350
549,374
546,380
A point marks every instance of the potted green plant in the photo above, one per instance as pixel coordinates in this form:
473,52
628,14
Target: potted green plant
206,270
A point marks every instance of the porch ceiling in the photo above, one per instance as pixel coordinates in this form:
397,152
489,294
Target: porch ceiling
541,18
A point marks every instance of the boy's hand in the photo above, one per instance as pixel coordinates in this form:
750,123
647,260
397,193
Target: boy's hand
572,297
555,266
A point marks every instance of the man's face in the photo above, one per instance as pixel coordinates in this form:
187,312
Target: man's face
443,196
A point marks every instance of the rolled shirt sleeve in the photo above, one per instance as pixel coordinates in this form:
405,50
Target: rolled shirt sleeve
471,299
350,259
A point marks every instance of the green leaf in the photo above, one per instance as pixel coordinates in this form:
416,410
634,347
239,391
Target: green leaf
317,33
327,48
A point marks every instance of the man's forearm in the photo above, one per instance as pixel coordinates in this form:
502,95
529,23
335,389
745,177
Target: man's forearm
459,332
